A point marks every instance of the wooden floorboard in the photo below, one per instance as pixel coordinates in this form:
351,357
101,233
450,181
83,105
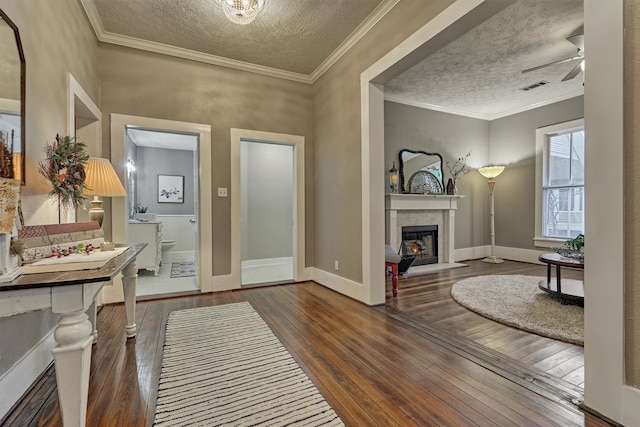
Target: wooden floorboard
416,361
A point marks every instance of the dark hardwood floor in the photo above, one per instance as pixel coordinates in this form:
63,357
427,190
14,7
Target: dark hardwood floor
426,301
407,363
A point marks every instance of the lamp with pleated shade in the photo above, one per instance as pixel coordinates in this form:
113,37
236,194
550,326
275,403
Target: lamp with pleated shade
101,180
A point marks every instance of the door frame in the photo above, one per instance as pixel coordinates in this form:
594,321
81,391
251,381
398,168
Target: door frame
300,272
119,212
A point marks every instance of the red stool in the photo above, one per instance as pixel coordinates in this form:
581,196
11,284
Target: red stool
394,275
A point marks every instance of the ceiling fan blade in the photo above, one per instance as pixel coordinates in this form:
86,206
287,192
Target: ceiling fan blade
574,72
528,70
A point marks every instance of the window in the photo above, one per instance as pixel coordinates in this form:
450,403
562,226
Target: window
559,183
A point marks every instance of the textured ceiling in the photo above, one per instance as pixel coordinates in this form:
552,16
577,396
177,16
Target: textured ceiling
479,74
290,35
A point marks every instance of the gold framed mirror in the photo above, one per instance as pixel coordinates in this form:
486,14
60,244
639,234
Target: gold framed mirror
12,94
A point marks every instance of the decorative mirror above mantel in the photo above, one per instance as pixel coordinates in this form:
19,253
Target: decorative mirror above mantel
420,172
12,93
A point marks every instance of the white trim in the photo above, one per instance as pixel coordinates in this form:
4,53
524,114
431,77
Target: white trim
481,116
299,225
604,351
455,20
519,254
379,12
20,377
267,261
121,40
10,105
630,399
91,110
541,137
547,242
119,211
475,252
504,252
340,284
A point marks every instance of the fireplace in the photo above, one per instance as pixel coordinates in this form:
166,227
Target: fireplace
420,241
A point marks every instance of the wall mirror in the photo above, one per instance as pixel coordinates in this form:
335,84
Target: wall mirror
420,172
12,93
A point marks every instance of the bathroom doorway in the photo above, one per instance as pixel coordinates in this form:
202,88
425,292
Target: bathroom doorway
267,211
162,186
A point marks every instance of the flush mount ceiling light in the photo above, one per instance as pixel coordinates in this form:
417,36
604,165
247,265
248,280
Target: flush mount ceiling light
241,11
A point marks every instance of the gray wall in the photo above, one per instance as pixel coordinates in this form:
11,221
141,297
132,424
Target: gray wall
452,136
152,162
267,200
513,143
510,141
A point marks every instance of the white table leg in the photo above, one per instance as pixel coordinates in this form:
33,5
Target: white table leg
72,357
93,315
129,280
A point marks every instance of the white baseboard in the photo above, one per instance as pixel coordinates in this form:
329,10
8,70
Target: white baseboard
630,405
504,252
17,380
267,261
475,252
339,284
518,254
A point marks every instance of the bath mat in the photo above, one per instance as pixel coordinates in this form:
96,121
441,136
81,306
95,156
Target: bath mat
183,269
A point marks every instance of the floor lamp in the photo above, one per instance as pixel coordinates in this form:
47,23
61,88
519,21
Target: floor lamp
101,180
491,172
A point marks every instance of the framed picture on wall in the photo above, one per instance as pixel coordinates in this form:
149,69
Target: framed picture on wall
170,189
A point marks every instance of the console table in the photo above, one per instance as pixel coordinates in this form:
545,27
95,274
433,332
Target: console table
567,293
71,295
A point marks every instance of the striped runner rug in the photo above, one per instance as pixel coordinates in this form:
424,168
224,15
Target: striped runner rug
223,366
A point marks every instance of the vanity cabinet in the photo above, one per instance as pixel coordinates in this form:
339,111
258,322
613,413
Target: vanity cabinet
151,234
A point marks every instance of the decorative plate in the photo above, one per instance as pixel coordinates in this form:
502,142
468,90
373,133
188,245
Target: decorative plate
424,182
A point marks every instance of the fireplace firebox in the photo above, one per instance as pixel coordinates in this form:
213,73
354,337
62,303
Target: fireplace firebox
420,241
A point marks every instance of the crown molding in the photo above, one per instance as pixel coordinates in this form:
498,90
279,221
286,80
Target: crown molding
366,25
192,55
106,37
480,116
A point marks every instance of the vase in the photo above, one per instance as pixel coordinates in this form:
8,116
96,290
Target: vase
451,187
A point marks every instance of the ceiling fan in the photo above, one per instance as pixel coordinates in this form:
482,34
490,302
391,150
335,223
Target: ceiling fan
577,38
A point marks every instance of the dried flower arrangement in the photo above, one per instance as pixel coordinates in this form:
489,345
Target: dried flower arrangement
64,168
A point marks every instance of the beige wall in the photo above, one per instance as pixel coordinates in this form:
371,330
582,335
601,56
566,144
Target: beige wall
337,155
151,85
57,39
632,185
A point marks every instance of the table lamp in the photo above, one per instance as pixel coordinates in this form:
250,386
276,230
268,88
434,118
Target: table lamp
491,172
101,180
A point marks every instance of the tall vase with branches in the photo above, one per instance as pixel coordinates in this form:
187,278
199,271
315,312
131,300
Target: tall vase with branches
457,168
64,169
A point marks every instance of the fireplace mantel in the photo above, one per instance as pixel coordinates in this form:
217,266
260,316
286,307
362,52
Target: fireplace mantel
415,202
444,205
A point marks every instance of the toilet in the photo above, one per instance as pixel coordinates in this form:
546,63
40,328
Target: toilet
165,247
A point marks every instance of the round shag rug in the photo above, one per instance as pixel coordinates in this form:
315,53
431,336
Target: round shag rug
515,300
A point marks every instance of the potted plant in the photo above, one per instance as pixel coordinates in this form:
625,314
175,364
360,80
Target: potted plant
572,248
